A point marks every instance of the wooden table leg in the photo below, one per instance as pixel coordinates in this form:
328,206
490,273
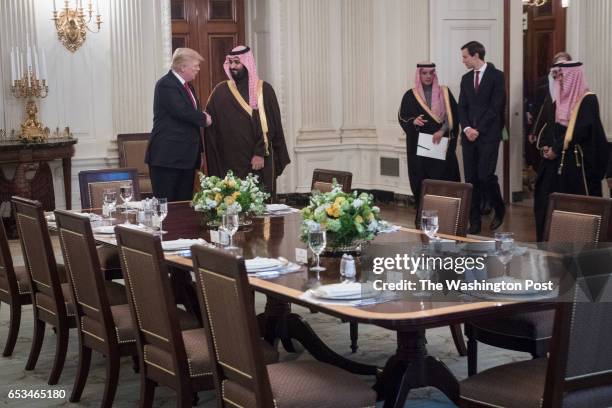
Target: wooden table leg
278,323
67,170
421,370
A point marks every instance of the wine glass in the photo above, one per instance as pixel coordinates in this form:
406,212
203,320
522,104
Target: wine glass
160,212
109,196
126,193
229,223
504,248
429,223
317,239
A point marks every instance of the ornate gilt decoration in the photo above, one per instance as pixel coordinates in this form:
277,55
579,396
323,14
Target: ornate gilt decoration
72,26
30,87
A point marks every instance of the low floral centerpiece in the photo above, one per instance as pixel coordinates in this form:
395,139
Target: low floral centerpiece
350,219
217,195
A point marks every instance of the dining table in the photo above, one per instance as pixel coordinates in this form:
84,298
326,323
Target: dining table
408,314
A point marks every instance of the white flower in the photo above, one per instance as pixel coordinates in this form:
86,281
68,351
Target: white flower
357,203
373,226
210,204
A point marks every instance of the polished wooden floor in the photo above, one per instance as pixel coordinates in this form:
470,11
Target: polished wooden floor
375,344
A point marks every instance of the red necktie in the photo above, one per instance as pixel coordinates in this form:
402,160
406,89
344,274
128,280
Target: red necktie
477,81
193,101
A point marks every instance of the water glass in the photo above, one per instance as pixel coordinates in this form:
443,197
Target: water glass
109,198
127,193
230,222
429,223
504,248
317,240
160,212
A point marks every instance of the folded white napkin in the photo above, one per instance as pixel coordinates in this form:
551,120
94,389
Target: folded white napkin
134,204
391,228
181,243
104,229
260,264
277,207
339,290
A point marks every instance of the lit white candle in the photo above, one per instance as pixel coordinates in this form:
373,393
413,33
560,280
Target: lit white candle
54,6
18,62
36,66
28,55
13,67
98,7
44,65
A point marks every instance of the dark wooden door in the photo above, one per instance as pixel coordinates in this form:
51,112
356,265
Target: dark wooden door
544,37
211,27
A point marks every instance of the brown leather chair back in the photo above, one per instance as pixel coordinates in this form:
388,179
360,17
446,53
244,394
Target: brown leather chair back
39,258
580,360
84,274
92,184
132,150
151,302
452,200
322,180
229,320
577,219
9,286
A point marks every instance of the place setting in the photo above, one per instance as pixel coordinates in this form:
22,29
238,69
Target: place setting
262,267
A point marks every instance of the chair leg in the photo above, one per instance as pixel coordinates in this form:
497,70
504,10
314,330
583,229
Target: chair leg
112,378
147,391
185,398
61,346
82,373
458,339
354,332
15,322
195,400
135,364
472,356
37,340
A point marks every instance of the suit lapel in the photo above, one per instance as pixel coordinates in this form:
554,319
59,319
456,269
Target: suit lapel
183,90
485,78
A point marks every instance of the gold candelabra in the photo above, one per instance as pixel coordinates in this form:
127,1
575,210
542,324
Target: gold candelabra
30,87
71,24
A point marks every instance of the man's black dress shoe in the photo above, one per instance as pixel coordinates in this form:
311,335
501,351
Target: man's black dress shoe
474,229
498,220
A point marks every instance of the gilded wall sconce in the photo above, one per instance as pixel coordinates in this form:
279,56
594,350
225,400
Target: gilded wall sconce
71,23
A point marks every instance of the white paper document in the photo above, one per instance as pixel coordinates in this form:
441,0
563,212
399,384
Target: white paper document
427,148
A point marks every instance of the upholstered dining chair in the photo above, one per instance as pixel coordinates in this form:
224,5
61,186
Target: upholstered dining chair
322,180
104,322
242,379
452,201
50,294
14,290
92,184
171,355
132,149
578,370
571,219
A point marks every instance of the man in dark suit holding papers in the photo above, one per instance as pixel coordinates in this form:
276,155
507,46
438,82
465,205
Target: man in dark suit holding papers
429,109
481,109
